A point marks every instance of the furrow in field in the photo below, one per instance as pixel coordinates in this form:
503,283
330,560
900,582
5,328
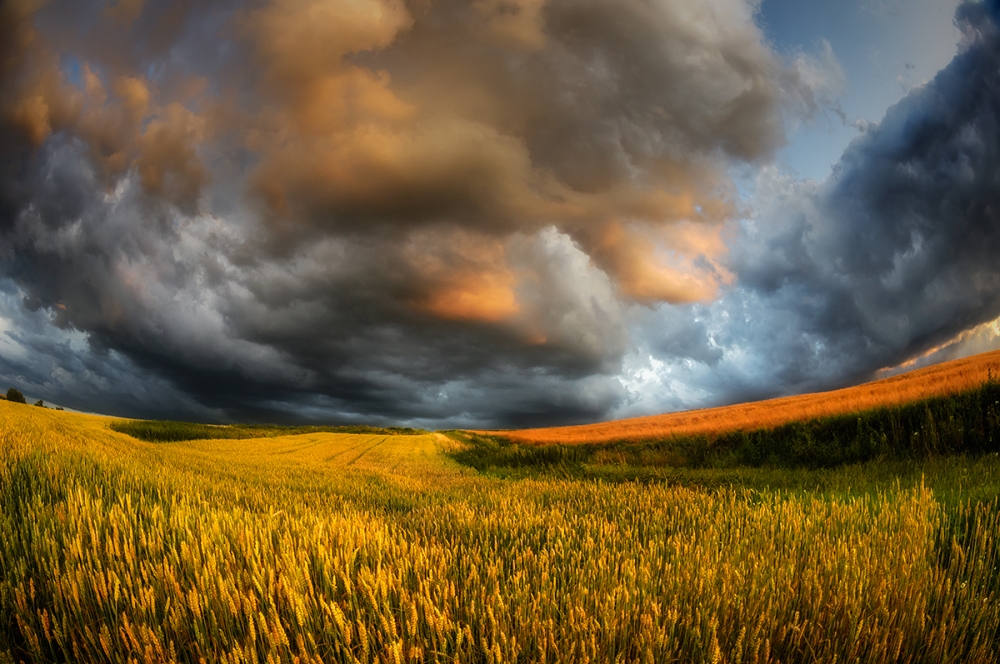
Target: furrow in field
366,451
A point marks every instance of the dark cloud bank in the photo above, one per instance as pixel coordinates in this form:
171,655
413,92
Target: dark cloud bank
486,213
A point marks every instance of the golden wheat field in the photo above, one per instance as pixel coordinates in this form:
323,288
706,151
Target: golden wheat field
358,548
938,380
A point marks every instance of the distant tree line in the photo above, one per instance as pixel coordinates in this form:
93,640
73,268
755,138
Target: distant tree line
14,395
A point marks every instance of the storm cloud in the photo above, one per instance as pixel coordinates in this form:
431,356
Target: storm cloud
891,260
469,213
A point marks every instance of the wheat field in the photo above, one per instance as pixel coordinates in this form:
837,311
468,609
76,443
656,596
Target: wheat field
938,380
369,548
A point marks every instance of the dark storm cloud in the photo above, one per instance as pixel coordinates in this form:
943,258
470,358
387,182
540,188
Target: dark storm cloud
61,367
892,257
905,256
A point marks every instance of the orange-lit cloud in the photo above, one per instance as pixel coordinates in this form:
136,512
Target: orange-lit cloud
358,116
679,263
124,11
462,277
517,22
300,46
124,126
167,162
481,297
344,144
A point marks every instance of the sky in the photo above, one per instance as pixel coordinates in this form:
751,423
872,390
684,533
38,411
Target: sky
490,213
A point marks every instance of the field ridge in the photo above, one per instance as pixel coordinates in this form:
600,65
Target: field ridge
938,380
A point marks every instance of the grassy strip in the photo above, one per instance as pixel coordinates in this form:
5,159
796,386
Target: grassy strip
964,423
165,431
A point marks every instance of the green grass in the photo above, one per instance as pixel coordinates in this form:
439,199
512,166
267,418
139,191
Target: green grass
967,423
953,479
165,431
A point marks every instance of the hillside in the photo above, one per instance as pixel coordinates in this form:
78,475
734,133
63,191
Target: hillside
938,380
334,547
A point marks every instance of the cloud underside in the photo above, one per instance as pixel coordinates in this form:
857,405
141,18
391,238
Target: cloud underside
489,213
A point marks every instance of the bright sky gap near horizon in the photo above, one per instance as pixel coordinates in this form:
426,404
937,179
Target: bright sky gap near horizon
490,212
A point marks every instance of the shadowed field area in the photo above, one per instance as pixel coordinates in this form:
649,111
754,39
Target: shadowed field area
161,431
332,547
939,380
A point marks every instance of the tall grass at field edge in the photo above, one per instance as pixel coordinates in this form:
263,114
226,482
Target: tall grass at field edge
965,423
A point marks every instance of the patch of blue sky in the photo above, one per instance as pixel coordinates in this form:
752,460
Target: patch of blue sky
72,70
885,48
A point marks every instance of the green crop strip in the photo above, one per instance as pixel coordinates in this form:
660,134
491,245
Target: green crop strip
165,431
965,423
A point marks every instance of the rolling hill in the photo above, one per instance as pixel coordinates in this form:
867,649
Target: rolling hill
934,381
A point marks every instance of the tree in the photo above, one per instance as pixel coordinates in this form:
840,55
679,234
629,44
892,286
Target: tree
40,403
14,394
